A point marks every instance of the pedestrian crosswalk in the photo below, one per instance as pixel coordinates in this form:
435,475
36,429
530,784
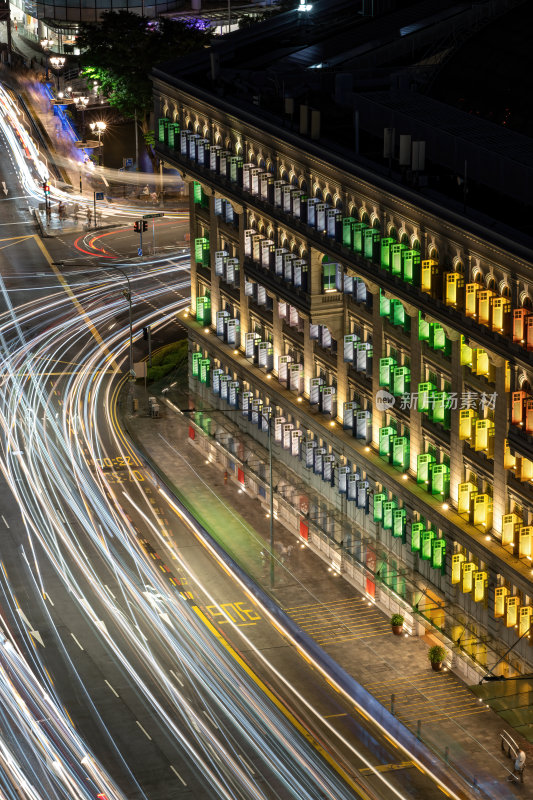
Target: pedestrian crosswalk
341,621
414,694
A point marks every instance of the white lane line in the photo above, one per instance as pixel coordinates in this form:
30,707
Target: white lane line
49,598
246,764
5,521
143,730
176,773
114,692
110,592
210,720
176,677
79,645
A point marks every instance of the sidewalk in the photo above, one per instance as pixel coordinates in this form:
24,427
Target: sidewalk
450,720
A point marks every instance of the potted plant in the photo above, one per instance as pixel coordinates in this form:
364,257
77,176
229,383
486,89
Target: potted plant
436,655
396,622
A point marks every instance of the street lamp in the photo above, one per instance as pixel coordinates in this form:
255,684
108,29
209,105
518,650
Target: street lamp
57,62
127,295
99,128
82,102
46,44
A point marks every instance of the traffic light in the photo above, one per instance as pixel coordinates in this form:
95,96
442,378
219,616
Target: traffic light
137,227
46,188
145,225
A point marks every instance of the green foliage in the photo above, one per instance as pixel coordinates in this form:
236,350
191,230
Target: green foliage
120,51
396,620
149,138
436,654
171,358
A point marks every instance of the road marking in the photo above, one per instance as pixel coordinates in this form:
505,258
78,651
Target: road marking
5,521
143,730
24,617
176,677
81,311
212,721
47,596
334,716
246,764
79,645
279,705
36,635
176,773
114,692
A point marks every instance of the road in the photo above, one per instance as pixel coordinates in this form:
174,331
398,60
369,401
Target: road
108,592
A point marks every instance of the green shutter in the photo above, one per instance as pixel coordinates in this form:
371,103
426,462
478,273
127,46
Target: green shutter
379,500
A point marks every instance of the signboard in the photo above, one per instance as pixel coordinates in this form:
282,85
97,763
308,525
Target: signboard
100,196
146,216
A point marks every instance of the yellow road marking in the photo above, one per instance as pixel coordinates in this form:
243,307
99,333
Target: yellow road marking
280,706
81,311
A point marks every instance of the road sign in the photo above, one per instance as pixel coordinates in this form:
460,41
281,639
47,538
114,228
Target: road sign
139,251
98,195
153,216
128,162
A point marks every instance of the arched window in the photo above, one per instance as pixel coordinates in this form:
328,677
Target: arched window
303,185
478,277
353,212
393,233
376,224
285,176
527,303
490,282
458,266
505,290
318,193
328,199
434,254
404,239
339,204
262,163
415,244
364,217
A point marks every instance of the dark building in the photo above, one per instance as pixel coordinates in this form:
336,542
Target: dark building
361,272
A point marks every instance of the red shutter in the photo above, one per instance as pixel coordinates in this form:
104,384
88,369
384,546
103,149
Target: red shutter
304,530
192,432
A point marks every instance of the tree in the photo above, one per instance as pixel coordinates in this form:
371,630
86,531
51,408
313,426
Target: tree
120,51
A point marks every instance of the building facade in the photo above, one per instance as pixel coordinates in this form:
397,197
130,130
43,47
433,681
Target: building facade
390,340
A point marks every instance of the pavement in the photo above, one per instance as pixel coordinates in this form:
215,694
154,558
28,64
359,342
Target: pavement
455,724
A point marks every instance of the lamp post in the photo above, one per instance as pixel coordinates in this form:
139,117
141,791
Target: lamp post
127,295
99,128
57,62
46,44
82,102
